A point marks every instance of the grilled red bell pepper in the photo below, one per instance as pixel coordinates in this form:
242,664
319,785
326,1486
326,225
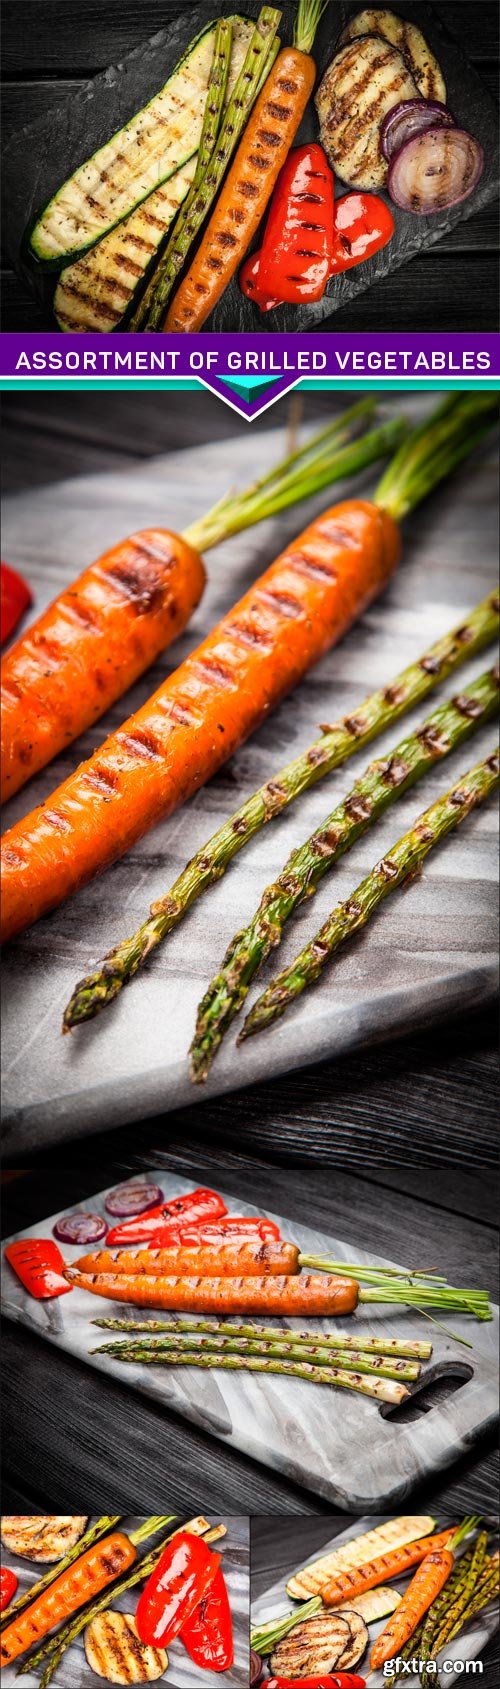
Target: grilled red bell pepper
333,1680
39,1265
298,242
184,1572
362,225
249,279
230,1226
208,1634
15,596
158,1225
8,1586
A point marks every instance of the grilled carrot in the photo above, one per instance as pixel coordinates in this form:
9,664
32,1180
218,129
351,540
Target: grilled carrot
308,1293
78,1584
247,190
220,1260
91,644
430,1578
203,711
350,1583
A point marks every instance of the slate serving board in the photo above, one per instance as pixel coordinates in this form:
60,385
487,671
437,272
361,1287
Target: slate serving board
469,1645
74,1671
431,952
43,154
345,1447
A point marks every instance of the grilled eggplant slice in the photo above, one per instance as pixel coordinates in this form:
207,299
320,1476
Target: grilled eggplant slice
365,79
313,1648
421,63
41,1538
142,155
114,1650
394,1533
358,1643
93,295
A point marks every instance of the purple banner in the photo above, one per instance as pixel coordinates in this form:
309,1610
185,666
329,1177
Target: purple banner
249,371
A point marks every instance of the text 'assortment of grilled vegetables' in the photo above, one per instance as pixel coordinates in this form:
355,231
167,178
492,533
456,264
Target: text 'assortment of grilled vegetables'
215,1272
186,184
351,1616
115,619
175,1592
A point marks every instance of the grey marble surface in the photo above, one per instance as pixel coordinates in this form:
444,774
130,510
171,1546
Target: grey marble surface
74,1671
432,951
346,1449
468,1646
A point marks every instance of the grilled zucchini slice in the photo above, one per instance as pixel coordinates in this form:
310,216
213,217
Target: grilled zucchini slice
114,1650
394,1533
94,294
364,81
42,1538
373,1604
151,147
422,64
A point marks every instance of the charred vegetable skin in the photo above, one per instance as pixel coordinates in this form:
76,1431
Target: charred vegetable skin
93,1570
401,863
297,253
208,1634
338,743
250,181
226,1260
39,1265
154,144
383,783
161,1224
109,626
175,1588
260,56
204,711
305,1293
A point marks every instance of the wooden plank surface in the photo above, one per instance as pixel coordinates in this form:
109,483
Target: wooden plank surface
49,50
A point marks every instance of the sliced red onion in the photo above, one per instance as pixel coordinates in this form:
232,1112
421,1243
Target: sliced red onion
255,1668
133,1198
435,170
410,118
80,1228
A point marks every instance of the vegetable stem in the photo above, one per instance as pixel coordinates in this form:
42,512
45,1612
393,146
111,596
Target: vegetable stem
259,59
317,1355
328,457
434,449
309,16
337,744
402,862
106,1523
264,1639
412,1349
383,782
382,1389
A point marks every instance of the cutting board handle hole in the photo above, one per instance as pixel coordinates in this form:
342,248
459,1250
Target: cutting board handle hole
441,1382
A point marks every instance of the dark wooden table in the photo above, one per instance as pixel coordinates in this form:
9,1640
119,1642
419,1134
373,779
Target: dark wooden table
50,47
424,1100
71,1437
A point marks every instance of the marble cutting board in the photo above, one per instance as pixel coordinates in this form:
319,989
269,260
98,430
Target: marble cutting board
74,1671
469,1646
347,1448
432,951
